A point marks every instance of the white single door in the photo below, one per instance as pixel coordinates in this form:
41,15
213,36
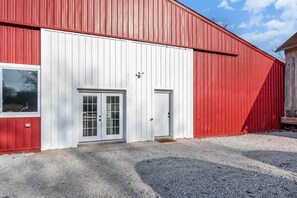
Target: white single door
101,116
162,114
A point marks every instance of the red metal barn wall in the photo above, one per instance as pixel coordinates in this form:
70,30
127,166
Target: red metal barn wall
20,46
235,95
249,81
157,21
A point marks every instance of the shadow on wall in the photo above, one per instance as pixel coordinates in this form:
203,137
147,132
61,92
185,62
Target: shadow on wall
283,160
183,177
268,107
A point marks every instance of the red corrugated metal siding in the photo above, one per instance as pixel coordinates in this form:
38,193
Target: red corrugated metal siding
14,137
234,95
19,45
157,21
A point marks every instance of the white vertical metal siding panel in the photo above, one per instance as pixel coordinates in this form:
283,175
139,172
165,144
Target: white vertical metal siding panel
152,60
70,61
46,93
69,92
75,80
54,82
62,92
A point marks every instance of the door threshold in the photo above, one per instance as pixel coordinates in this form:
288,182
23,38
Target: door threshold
101,142
164,139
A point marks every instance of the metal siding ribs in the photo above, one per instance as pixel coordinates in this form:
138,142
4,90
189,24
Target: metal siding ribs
233,95
232,100
157,21
19,45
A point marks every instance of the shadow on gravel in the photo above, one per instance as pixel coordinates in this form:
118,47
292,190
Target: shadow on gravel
88,175
183,177
286,134
283,160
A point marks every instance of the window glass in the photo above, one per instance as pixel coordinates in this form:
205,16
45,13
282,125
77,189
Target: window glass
19,89
113,115
90,116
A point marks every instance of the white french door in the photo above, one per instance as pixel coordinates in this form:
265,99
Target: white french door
101,116
112,116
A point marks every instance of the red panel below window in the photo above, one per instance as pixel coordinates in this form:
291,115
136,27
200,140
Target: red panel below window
15,137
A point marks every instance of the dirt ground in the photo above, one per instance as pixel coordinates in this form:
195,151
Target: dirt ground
255,165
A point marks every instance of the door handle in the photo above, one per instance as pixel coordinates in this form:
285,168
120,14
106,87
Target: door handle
100,118
168,114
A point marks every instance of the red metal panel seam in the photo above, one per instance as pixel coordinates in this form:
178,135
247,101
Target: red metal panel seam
10,132
103,20
216,93
209,93
6,134
274,105
140,19
114,19
221,95
120,18
242,103
197,106
276,97
197,85
203,91
270,91
277,103
273,95
160,18
198,98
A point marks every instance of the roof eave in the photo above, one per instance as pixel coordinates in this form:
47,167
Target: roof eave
286,48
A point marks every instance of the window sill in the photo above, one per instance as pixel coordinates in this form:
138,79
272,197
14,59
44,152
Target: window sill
19,115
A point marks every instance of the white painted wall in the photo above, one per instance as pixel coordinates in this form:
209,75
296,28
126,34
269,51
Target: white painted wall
70,61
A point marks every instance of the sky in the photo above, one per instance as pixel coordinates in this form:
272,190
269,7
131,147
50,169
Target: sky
265,23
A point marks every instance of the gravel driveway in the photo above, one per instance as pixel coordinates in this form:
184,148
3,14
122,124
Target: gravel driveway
244,166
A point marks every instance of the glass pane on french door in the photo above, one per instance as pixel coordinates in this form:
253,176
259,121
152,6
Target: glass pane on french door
89,116
112,115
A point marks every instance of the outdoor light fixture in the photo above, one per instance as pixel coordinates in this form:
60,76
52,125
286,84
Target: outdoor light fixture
139,74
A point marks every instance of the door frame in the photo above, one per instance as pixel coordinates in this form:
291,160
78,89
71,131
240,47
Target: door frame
171,109
90,91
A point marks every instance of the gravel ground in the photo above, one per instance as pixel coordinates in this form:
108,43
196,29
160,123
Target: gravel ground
244,166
